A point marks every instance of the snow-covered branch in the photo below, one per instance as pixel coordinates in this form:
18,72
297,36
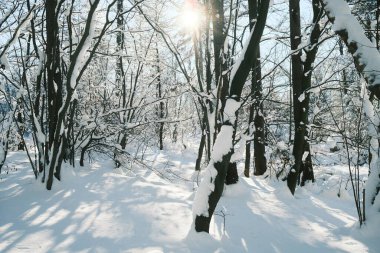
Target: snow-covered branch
25,21
366,56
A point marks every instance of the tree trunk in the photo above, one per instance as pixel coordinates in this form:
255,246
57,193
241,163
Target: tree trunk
202,143
311,52
213,183
297,73
54,79
73,76
301,80
160,109
54,84
232,176
259,137
120,75
256,109
200,153
202,222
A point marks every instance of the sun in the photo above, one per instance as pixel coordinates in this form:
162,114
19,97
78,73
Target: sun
190,17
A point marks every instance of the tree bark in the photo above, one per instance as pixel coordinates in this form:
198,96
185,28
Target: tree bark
160,109
256,109
301,82
54,79
54,83
57,145
220,164
259,137
311,52
297,72
120,75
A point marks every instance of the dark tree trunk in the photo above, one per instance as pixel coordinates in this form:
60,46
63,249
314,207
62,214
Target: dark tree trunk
221,77
256,108
54,79
210,108
202,222
202,143
4,143
200,153
307,166
259,146
57,172
311,52
297,72
232,176
301,84
83,152
21,130
120,75
259,137
161,107
217,14
247,162
54,83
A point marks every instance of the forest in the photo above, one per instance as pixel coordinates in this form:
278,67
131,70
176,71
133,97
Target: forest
199,113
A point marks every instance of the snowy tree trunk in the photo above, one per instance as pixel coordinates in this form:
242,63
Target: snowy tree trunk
120,75
310,52
160,108
54,76
79,62
365,54
54,82
4,137
211,187
367,62
301,82
373,183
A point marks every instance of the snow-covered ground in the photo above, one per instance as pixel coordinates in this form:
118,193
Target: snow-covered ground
97,208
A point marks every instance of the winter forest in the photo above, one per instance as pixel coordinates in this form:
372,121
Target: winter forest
190,126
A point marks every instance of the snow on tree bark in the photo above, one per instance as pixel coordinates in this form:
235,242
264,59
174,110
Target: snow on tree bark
78,64
366,56
367,62
211,187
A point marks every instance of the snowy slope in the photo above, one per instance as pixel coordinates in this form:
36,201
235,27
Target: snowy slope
100,209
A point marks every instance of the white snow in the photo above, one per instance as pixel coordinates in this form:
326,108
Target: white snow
200,206
232,106
301,97
282,146
99,209
304,156
223,143
222,146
